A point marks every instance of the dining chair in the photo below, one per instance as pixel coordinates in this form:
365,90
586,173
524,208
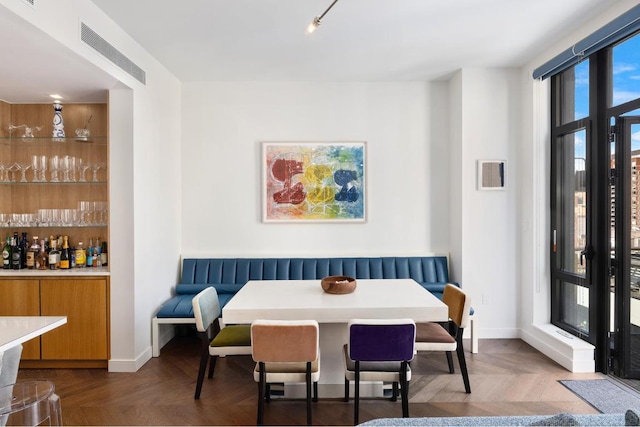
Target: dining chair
217,341
9,364
285,351
379,350
434,336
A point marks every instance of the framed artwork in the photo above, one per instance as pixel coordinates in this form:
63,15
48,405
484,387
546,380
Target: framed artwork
491,174
314,181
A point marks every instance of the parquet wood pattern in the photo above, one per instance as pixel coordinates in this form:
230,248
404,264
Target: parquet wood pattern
508,377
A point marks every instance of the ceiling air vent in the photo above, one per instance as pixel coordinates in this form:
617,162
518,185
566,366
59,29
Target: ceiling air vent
30,2
104,48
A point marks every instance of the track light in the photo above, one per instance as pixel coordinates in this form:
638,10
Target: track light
318,19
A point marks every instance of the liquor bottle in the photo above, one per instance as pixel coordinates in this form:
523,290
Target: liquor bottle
16,253
54,255
6,254
104,257
32,253
97,254
90,253
64,254
81,256
43,258
24,248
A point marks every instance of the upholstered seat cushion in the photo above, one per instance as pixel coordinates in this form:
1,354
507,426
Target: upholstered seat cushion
372,371
433,337
233,335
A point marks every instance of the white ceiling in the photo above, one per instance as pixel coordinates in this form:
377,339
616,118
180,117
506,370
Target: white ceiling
254,40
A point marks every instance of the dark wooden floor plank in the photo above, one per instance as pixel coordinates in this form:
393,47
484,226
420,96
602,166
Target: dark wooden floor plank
508,377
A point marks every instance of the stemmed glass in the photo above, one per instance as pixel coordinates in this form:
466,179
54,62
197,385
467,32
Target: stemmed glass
35,166
23,168
13,169
82,168
84,208
64,167
54,164
95,167
43,168
4,173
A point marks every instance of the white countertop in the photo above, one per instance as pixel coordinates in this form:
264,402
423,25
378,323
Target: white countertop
15,330
73,272
305,299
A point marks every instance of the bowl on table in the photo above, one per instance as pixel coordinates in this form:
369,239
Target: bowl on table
338,284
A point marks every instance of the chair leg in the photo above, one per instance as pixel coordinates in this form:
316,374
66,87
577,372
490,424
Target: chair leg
404,384
394,392
463,362
315,391
346,390
203,367
356,395
261,388
308,381
450,362
212,365
268,393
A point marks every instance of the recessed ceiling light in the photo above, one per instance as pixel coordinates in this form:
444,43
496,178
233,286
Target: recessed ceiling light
55,96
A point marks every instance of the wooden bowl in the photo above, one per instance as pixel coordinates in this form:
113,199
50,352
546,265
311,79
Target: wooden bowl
338,284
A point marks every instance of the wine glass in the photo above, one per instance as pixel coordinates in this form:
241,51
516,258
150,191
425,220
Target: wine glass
54,164
35,166
82,168
4,174
43,168
13,169
23,168
95,167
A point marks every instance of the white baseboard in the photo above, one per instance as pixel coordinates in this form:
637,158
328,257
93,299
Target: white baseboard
567,350
128,365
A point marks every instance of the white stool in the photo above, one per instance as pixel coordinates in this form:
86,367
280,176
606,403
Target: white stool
30,403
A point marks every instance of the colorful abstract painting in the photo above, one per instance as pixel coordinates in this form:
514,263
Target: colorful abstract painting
306,181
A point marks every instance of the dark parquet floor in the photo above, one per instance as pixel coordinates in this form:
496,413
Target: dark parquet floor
507,377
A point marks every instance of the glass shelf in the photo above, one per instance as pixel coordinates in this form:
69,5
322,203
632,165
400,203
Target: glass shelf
54,226
53,183
48,140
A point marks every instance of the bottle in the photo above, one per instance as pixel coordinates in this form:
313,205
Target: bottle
97,254
43,258
89,261
6,254
24,248
16,253
64,254
54,254
81,256
72,259
104,257
32,253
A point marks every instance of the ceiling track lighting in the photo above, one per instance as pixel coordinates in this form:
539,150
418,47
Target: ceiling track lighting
318,19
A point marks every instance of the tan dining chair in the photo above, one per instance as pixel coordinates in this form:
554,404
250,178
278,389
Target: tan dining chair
285,351
217,341
379,350
436,337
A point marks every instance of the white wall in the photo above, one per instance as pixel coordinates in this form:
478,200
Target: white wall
145,175
490,129
224,123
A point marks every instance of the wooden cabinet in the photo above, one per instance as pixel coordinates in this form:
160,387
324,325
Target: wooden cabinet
57,187
84,340
21,297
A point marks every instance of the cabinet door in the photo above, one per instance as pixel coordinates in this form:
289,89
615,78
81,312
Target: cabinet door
84,302
22,298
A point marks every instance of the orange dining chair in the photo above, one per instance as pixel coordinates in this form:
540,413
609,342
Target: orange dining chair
435,337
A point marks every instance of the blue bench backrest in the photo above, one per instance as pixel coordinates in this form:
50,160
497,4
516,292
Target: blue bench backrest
235,272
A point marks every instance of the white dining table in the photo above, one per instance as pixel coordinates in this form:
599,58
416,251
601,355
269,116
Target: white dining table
16,330
305,300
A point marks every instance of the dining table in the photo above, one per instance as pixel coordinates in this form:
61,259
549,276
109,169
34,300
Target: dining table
306,300
16,330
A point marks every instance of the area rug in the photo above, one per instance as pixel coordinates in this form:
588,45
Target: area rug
604,395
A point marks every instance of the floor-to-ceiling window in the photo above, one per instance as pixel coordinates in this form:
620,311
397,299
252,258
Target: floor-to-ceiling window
595,203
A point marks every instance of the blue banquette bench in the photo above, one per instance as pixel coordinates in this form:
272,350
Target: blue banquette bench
228,275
